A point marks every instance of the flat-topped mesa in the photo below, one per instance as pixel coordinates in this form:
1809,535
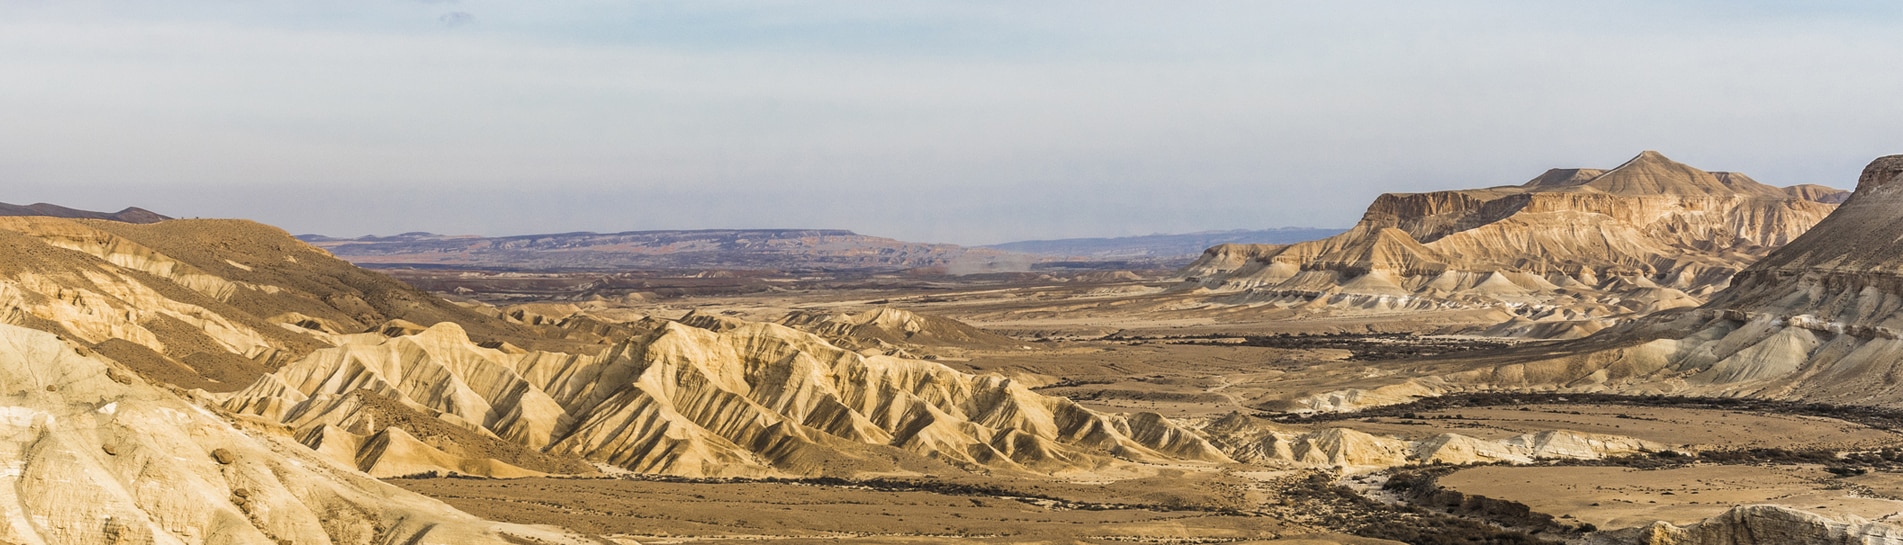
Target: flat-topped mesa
1818,320
1620,242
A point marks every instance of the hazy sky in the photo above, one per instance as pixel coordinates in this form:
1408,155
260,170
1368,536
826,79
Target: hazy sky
968,121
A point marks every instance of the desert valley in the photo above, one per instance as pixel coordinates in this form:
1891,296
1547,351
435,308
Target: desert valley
856,272
1645,354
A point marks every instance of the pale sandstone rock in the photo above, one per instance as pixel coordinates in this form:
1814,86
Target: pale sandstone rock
1258,442
1572,251
753,399
1820,319
96,460
1759,525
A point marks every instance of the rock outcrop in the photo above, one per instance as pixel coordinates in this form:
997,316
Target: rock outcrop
90,453
1758,525
1568,253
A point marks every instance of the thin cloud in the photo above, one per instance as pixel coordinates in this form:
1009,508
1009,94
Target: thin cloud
971,122
456,18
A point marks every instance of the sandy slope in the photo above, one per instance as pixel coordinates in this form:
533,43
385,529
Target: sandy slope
95,455
757,399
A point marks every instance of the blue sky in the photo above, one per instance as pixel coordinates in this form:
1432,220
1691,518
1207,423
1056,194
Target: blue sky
969,122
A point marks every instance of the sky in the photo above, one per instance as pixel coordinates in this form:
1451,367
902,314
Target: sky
968,122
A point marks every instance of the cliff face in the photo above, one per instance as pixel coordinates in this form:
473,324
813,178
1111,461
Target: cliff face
1818,319
1570,245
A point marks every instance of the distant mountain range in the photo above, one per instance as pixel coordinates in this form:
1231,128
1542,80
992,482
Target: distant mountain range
773,249
1160,247
736,249
129,215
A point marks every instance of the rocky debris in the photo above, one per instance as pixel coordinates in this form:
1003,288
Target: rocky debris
1421,488
1316,498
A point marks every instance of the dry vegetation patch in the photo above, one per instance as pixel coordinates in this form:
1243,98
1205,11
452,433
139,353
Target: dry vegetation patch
1621,497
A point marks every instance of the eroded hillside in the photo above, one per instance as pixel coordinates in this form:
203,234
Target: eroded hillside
1565,254
95,454
1815,320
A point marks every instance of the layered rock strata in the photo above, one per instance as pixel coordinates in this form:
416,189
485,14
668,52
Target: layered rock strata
1817,320
1567,253
754,399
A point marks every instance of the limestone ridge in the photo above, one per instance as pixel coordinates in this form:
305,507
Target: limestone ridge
94,454
754,399
1570,245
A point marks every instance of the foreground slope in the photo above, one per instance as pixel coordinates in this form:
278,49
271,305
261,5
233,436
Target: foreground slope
202,303
94,454
1565,253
